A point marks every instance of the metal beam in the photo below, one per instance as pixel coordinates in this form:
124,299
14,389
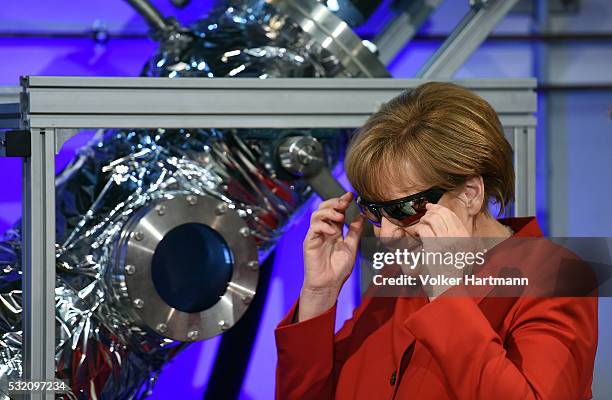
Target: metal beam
76,103
9,94
395,35
523,143
465,38
38,261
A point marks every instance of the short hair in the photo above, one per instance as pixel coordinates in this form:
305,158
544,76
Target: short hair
447,133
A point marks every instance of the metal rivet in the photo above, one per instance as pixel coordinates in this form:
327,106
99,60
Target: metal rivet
223,325
192,200
138,235
246,232
161,209
221,209
246,299
130,269
193,335
254,265
162,328
138,303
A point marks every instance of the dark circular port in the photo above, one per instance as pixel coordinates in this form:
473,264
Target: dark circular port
192,266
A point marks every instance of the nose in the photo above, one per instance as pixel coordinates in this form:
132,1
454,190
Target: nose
389,230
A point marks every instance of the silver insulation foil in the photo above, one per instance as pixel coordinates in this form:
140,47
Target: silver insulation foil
99,350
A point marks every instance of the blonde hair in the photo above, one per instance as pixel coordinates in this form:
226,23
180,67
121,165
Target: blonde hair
445,132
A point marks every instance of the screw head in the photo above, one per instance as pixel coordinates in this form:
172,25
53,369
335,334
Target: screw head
192,200
221,209
254,265
161,328
161,209
138,303
130,269
138,235
193,335
223,325
245,232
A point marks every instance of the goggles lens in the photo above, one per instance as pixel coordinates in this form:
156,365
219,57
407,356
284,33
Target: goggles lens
402,212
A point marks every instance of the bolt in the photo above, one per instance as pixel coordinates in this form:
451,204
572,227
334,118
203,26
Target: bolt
130,269
245,232
138,235
161,209
223,325
193,335
162,328
138,303
192,200
254,265
221,209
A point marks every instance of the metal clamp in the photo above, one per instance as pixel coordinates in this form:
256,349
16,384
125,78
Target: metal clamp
303,157
15,143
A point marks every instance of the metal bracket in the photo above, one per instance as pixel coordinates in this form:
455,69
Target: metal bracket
15,143
302,156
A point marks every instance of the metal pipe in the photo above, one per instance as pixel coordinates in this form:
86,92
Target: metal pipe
154,18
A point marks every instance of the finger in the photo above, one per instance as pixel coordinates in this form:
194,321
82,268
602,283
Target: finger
436,222
338,203
424,230
327,214
355,230
451,219
321,228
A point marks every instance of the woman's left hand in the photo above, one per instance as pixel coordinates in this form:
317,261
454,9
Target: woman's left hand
441,230
441,222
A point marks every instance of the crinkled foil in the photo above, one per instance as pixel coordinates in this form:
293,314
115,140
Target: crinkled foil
120,171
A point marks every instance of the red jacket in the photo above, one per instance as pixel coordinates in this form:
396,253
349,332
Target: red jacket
452,348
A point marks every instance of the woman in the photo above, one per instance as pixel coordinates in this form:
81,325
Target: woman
426,166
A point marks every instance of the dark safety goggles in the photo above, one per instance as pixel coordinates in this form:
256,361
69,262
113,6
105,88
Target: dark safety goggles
402,212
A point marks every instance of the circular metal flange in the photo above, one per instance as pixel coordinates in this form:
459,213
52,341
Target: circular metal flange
134,269
334,35
301,156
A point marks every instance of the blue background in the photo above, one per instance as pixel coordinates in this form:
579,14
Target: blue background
574,156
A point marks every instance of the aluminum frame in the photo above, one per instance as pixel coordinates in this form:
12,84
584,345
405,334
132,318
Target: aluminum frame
54,108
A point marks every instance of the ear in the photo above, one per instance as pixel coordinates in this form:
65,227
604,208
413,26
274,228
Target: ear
474,193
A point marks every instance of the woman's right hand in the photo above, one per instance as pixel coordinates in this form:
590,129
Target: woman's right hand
328,256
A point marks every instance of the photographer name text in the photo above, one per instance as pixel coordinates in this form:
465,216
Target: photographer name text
442,280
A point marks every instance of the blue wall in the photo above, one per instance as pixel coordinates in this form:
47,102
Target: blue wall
574,137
